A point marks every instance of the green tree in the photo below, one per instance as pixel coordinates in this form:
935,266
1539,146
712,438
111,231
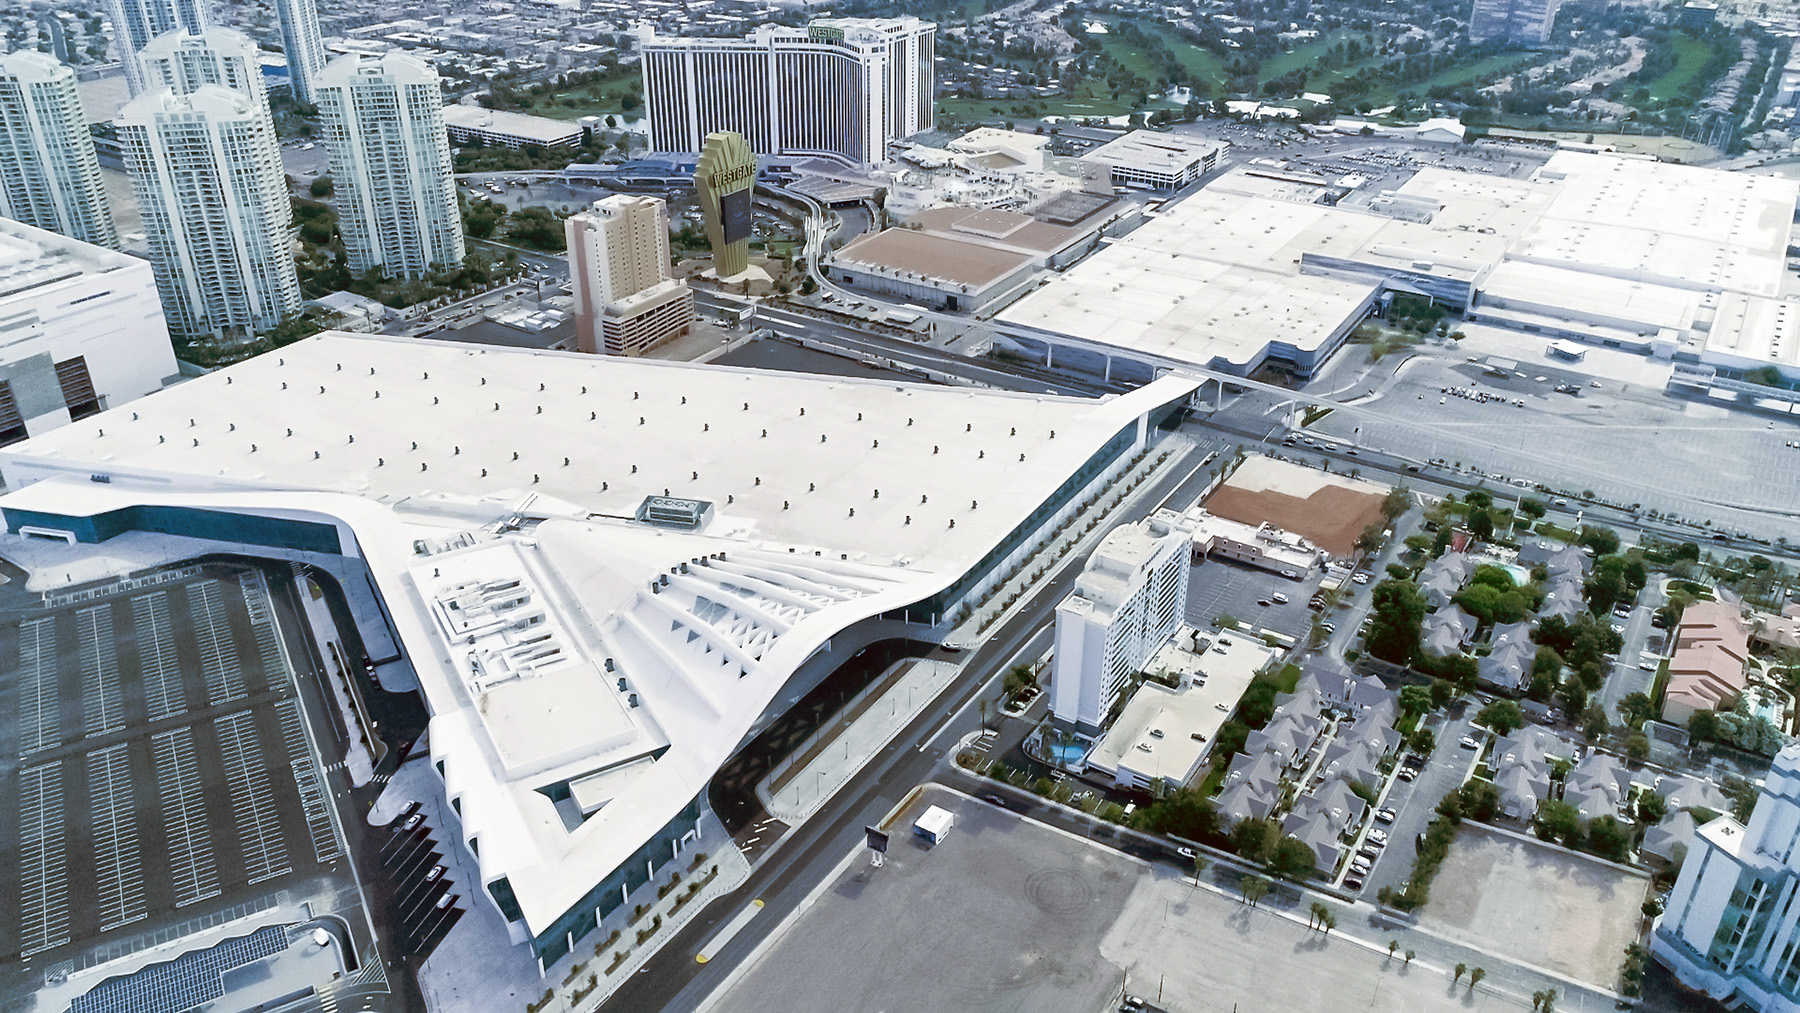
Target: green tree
1637,745
1415,700
321,187
1636,709
1395,503
1503,716
1651,807
1461,969
1593,721
1573,697
1532,508
1608,838
1185,812
1703,726
1422,741
1557,820
1397,610
1254,888
1254,839
1293,860
1481,524
1369,539
1475,976
1603,540
538,227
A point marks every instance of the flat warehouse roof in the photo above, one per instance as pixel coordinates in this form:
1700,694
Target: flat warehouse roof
933,257
1153,151
540,128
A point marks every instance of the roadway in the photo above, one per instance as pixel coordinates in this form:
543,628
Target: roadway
672,980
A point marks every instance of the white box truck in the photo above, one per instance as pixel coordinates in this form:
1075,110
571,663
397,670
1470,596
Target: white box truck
934,824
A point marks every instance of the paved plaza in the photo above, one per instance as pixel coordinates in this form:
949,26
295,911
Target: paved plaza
1536,904
1007,914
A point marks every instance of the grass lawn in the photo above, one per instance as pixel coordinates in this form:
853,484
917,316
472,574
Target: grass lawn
1203,64
1690,57
1288,678
1089,100
597,99
1131,58
1301,57
1384,94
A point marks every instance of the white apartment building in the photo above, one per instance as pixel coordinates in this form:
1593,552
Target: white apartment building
625,300
841,88
207,174
1731,928
84,331
1126,603
49,175
302,44
396,188
136,22
184,62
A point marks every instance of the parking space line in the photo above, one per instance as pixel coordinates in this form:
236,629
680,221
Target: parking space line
156,652
218,658
37,686
262,624
259,827
306,778
184,816
43,876
102,709
118,872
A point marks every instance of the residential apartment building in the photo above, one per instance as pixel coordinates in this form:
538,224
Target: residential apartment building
396,189
1706,669
302,44
1126,603
136,22
841,88
1730,927
206,170
84,330
184,62
625,300
49,175
1527,21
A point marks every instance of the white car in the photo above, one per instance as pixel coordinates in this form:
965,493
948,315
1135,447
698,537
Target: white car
1469,743
1359,577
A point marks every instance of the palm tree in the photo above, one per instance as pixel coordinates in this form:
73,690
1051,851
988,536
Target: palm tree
1475,975
1460,968
983,705
1537,999
1319,911
1409,956
1329,921
1392,946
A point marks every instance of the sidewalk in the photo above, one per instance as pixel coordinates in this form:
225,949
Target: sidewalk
357,760
805,790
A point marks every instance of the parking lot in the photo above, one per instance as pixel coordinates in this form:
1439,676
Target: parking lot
157,767
1535,903
1218,588
1627,443
423,902
1415,803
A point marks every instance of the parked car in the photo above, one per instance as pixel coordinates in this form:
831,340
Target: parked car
1360,577
1279,598
1408,773
1353,882
1378,836
1385,815
1469,743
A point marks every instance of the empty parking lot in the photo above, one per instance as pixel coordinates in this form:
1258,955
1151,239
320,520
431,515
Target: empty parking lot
154,767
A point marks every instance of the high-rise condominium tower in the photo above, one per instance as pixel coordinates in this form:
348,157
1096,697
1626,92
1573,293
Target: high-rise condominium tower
136,22
390,161
840,87
207,173
184,62
49,176
301,42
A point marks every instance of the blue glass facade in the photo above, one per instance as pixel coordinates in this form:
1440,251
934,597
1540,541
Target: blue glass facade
219,525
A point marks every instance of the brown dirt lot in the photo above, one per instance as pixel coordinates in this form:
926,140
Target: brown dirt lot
1537,904
1331,517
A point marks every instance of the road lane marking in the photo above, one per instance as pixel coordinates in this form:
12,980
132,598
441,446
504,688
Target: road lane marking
730,931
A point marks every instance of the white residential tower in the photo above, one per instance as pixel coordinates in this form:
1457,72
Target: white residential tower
390,160
136,22
49,175
207,173
301,42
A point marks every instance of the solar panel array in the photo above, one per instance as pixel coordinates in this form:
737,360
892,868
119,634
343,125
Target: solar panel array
189,980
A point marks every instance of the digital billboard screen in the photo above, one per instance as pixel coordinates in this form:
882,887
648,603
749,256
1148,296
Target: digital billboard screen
734,215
